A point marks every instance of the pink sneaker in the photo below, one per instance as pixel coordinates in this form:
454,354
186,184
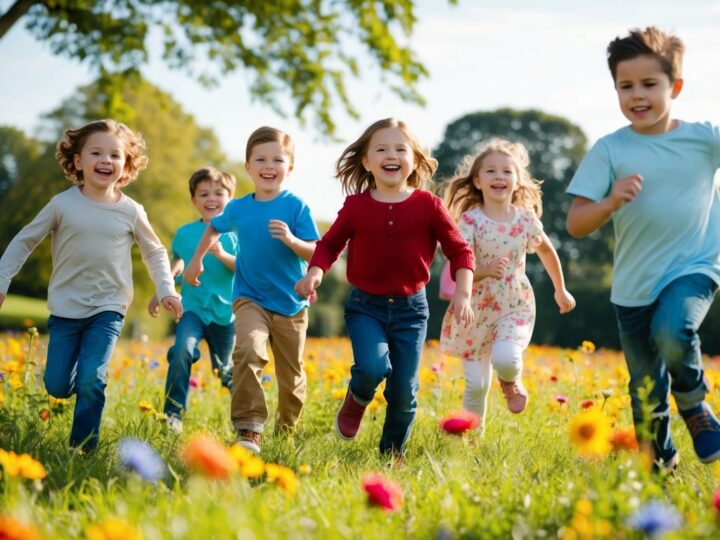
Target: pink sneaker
347,421
515,394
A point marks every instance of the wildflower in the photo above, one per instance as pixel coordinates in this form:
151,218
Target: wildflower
655,519
249,464
154,364
266,378
553,378
590,432
146,406
141,458
21,465
284,476
459,422
623,439
44,415
382,492
586,404
194,383
305,469
113,529
560,399
587,346
14,529
436,367
716,500
208,457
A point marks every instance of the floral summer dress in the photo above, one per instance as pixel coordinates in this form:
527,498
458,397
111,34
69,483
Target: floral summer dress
504,308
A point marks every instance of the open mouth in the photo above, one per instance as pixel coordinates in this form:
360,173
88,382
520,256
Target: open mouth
101,171
391,168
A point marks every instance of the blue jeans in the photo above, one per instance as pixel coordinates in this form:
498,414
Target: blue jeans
78,355
660,342
181,356
387,335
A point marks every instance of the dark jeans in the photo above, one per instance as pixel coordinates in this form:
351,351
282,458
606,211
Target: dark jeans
181,356
79,352
660,342
387,335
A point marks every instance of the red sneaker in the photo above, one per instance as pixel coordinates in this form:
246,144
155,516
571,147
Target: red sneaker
347,421
515,394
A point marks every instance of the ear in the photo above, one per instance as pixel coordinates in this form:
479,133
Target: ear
365,163
677,86
77,162
247,166
291,167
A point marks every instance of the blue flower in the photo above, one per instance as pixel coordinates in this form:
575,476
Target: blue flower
266,378
655,519
154,364
140,457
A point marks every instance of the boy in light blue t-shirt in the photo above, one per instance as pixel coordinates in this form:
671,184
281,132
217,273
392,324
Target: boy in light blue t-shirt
208,308
276,237
655,179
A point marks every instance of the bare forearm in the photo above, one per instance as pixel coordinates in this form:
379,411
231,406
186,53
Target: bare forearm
209,237
303,248
550,260
585,216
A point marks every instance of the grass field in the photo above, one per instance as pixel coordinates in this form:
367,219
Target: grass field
565,468
22,312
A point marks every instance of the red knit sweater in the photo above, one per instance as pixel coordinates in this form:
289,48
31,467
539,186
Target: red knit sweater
392,244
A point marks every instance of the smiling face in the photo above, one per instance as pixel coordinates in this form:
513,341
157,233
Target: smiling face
102,162
497,179
390,159
269,164
210,199
645,94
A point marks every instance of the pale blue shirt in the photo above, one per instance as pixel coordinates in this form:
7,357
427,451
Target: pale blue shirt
672,228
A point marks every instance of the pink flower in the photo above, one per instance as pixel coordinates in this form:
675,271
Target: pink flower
561,399
194,382
382,492
459,422
716,500
436,367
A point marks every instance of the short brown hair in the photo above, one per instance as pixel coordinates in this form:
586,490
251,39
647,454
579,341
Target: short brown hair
666,48
267,134
211,174
72,144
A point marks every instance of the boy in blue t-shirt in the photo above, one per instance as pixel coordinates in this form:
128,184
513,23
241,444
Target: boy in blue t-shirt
208,308
655,179
276,237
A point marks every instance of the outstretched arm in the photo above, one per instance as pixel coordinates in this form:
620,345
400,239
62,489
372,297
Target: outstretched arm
195,266
550,260
176,268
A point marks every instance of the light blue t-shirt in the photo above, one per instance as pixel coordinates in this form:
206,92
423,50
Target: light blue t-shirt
211,300
672,228
266,270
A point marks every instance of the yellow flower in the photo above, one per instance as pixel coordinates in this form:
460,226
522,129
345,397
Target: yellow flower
305,469
21,465
284,477
14,529
249,465
587,346
338,393
590,432
146,406
57,402
113,529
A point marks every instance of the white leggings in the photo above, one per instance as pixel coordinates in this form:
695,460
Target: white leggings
506,359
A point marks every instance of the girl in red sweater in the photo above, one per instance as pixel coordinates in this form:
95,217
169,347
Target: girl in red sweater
393,226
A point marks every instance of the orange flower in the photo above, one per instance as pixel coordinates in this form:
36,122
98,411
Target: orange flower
284,476
14,529
382,492
22,465
208,457
113,529
459,422
624,439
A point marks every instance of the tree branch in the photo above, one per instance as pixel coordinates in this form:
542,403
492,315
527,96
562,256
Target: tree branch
11,16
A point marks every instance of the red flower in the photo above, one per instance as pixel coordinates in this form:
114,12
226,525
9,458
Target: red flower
716,500
382,492
553,378
458,423
586,404
624,439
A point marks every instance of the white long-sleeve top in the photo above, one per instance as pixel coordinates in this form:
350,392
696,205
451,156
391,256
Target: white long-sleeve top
91,243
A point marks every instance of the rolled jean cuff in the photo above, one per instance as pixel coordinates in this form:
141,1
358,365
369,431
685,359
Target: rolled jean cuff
257,427
362,402
690,400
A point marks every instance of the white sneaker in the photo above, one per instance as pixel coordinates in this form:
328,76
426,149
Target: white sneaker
175,423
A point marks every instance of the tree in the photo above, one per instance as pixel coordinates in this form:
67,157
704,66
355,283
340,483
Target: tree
301,48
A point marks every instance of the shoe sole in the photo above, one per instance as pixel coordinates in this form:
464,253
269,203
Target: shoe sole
343,437
254,448
709,459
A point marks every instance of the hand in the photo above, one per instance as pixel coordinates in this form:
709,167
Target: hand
173,305
192,272
154,306
462,310
565,301
307,285
625,190
279,229
2,299
496,268
217,250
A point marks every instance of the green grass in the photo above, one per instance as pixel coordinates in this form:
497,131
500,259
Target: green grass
523,479
20,312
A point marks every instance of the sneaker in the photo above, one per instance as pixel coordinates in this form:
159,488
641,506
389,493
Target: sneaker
347,421
669,466
705,431
249,439
515,394
175,423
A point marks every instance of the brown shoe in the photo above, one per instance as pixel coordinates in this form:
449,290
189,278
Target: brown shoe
515,394
347,421
249,439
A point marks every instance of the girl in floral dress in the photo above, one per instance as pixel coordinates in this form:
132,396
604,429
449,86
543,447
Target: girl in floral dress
498,205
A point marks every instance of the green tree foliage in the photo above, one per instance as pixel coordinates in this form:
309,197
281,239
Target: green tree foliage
301,49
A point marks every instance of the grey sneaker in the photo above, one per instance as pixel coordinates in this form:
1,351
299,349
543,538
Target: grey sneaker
249,439
175,423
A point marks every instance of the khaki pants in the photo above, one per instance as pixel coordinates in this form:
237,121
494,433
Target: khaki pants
255,327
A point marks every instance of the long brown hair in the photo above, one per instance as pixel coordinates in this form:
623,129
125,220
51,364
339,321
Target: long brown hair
461,194
355,179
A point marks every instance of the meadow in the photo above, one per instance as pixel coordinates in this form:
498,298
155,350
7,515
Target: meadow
568,467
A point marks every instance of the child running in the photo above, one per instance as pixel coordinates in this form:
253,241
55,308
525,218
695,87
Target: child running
276,236
655,179
393,226
93,226
207,309
498,205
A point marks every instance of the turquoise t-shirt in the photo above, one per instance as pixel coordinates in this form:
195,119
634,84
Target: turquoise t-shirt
672,228
211,301
266,270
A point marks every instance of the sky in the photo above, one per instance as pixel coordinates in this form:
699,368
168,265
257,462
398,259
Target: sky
481,55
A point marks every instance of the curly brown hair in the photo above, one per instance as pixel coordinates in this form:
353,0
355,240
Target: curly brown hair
461,194
355,179
72,144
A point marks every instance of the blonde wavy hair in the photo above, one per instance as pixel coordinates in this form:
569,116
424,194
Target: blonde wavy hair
461,194
72,145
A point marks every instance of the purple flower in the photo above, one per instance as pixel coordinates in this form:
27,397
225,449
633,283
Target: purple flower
140,457
154,364
655,519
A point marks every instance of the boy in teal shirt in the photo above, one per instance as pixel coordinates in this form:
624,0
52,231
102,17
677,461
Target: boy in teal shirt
208,308
655,179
